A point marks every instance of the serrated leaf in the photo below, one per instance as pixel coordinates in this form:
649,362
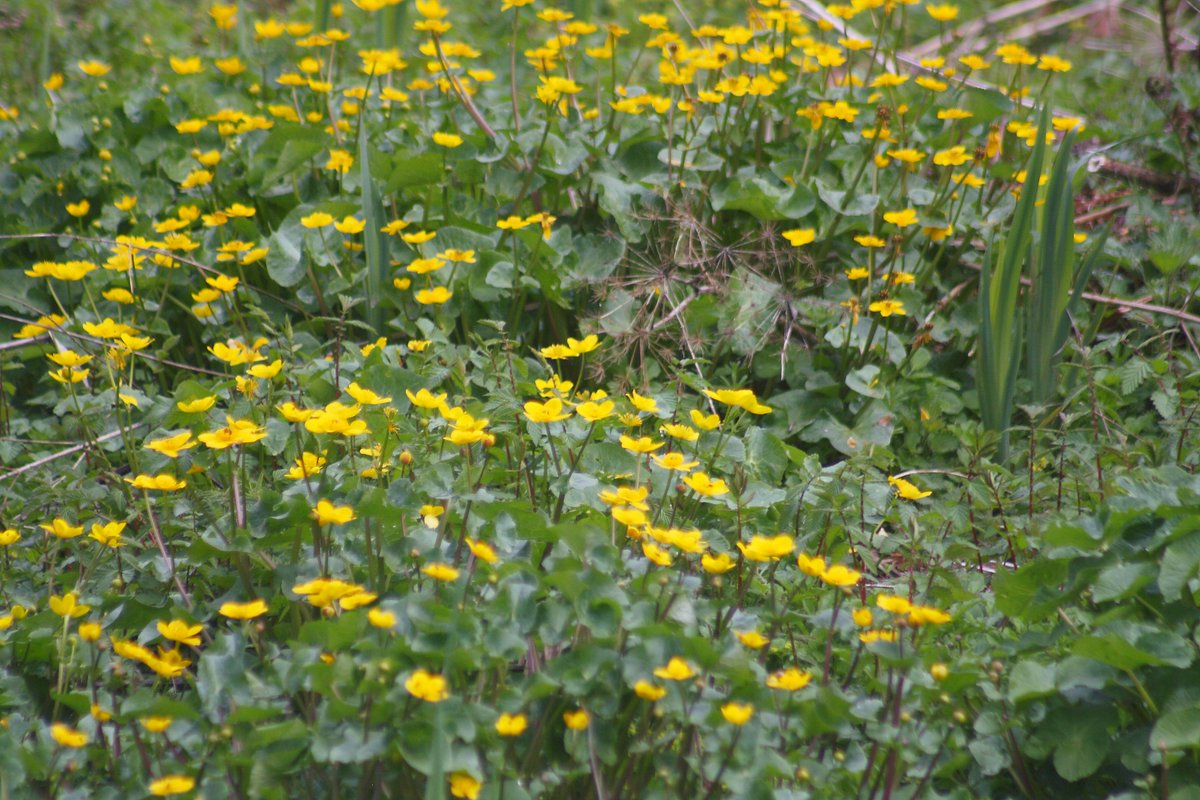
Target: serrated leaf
1132,373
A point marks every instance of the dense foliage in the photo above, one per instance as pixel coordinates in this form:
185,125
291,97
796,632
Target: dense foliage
527,401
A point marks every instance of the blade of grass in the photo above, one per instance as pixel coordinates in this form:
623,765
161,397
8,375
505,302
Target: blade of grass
1052,274
375,244
1000,333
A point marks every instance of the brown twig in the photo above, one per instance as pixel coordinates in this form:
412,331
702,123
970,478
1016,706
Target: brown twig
69,451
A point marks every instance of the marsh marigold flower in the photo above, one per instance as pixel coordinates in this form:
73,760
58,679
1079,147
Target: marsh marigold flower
171,785
511,724
178,630
737,713
767,548
66,736
675,670
427,686
577,720
243,611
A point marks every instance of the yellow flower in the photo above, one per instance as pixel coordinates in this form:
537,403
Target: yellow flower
813,567
427,686
197,406
432,297
767,548
737,713
511,724
789,680
1054,64
594,412
549,411
381,619
677,431
556,352
9,537
231,610
901,219
946,12
425,399
907,490
893,604
161,482
89,631
67,605
440,572
798,237
171,785
340,161
939,672
653,552
79,209
61,529
366,396
863,617
93,68
583,346
54,82
326,513
67,736
450,140
230,66
741,398
108,534
178,630
718,564
317,219
458,256
172,446
701,484
463,784
675,670
648,691
675,461
647,405
927,615
482,550
839,575
577,720
887,308
705,422
752,639
641,445
235,432
423,266
186,66
156,724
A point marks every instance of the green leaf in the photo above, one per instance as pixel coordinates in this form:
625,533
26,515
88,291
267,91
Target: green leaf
1151,648
865,381
1119,581
861,204
617,200
411,169
762,197
285,258
296,146
1030,679
1177,730
1179,565
1083,743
